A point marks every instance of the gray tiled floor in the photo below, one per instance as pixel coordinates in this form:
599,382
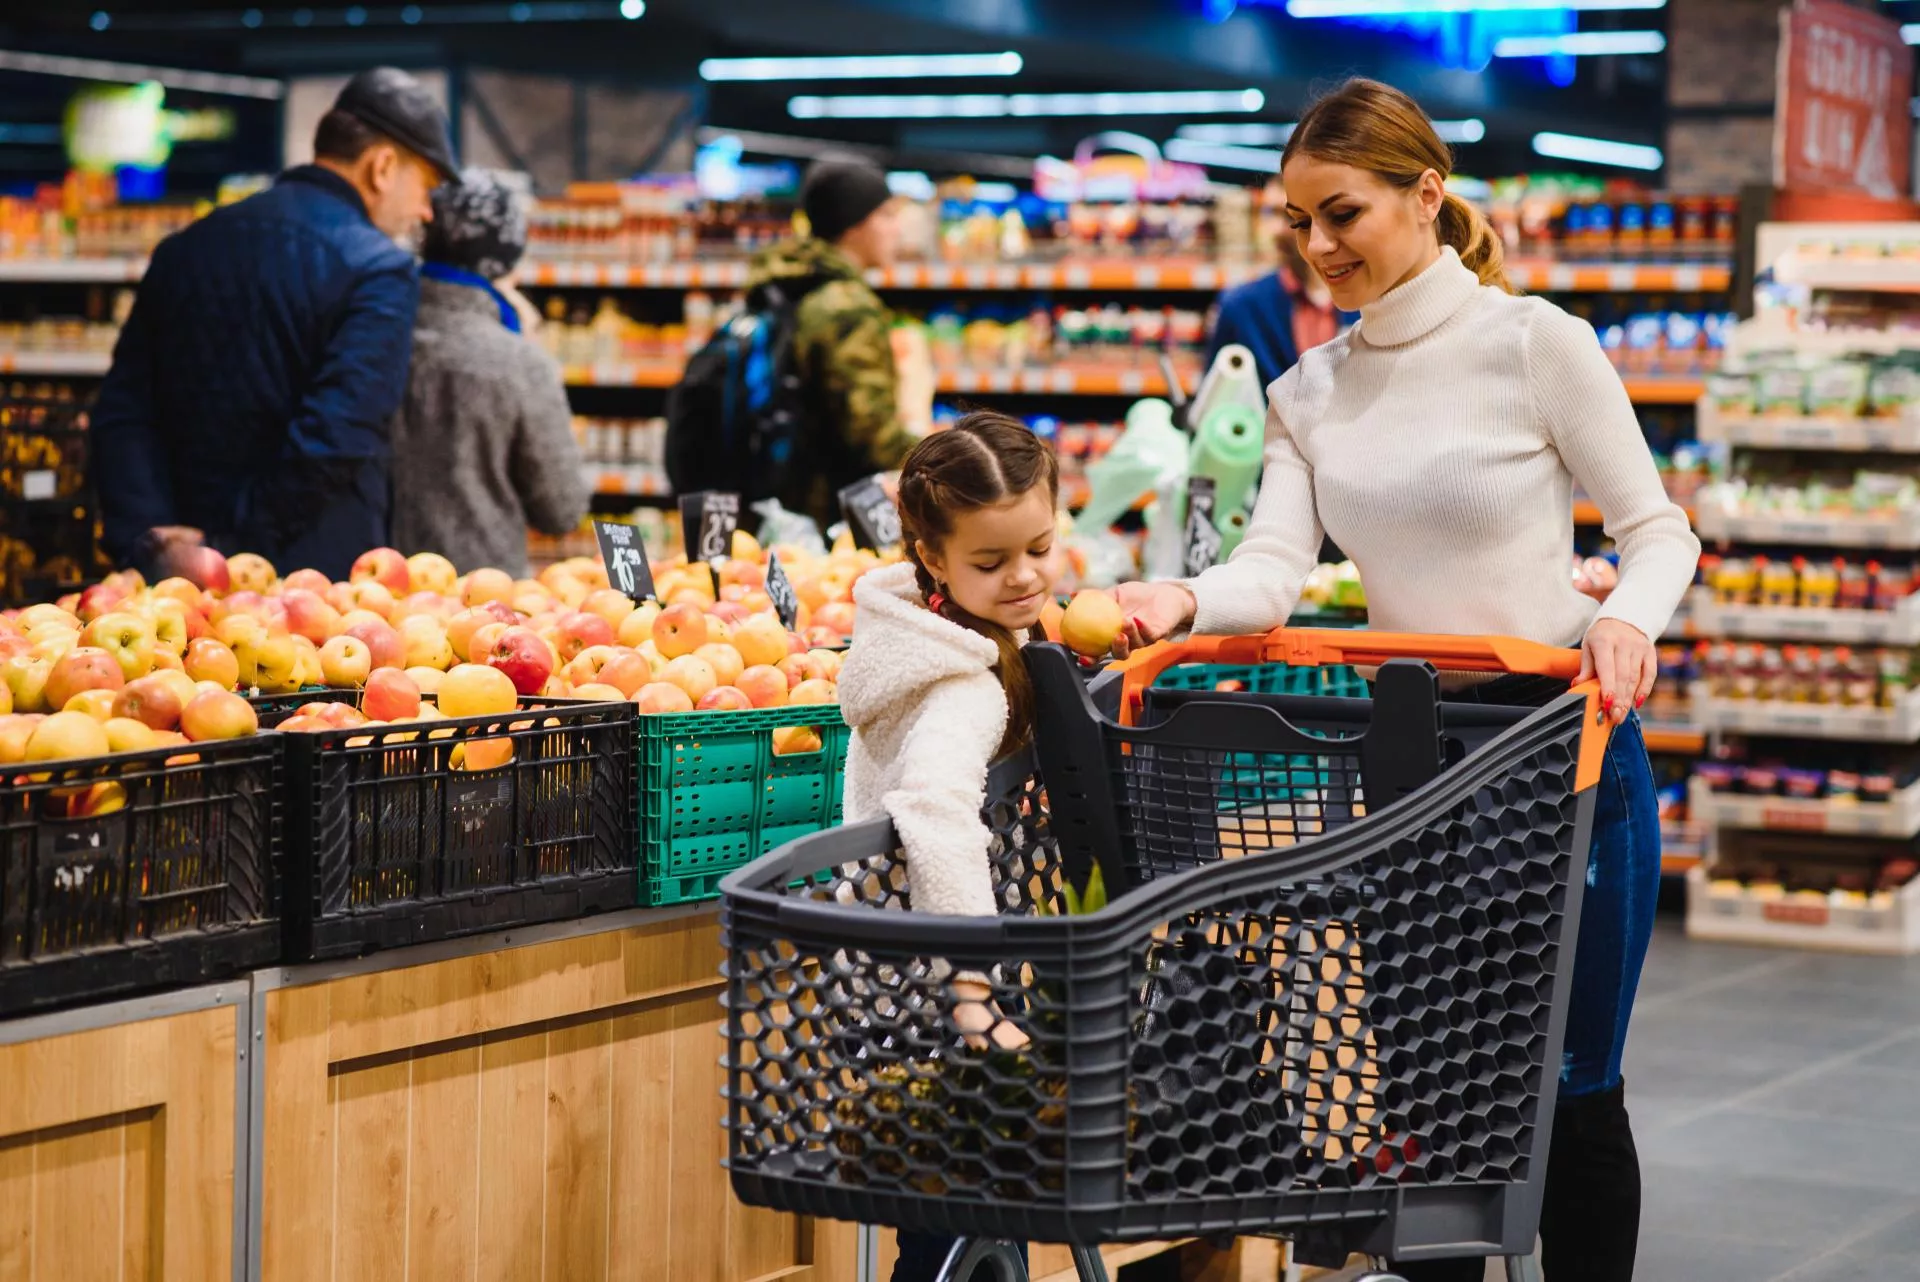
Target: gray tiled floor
1776,1102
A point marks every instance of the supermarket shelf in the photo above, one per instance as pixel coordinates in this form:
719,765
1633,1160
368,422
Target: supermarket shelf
1898,724
1900,626
1587,512
79,271
1676,865
1037,380
1896,819
1123,275
1900,531
55,363
1682,740
663,373
1900,434
1888,923
1750,337
1062,381
1664,390
1870,274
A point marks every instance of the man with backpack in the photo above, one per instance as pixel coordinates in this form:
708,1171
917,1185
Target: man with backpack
800,396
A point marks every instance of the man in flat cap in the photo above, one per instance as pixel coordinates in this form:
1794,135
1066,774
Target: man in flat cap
251,390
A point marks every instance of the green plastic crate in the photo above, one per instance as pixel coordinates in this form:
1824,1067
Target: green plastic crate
1268,678
713,796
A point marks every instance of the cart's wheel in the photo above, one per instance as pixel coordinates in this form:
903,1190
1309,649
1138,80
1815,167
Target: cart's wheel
969,1254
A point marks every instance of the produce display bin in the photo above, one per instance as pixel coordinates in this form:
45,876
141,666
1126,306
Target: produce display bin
138,871
714,796
389,843
1273,678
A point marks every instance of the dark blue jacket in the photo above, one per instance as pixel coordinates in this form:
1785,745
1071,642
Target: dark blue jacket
253,385
1259,316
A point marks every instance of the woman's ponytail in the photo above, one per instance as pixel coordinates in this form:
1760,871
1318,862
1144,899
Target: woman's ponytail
1463,226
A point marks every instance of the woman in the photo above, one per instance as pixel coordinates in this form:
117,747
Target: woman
483,445
1277,316
1437,442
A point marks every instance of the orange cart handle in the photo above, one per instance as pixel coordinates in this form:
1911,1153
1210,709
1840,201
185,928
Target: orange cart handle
1320,647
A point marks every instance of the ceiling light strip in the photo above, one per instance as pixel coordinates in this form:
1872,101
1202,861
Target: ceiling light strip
990,105
50,64
877,67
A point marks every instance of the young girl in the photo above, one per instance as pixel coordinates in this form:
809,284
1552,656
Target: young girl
935,688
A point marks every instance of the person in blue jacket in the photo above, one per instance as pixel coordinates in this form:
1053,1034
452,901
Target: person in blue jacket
1278,316
252,387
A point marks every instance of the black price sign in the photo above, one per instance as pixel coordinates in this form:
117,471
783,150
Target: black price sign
786,602
708,520
1203,538
626,559
871,515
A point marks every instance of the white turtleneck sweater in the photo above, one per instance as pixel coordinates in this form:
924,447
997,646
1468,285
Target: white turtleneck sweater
1437,442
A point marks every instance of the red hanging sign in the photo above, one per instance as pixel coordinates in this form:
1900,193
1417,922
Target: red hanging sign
1842,119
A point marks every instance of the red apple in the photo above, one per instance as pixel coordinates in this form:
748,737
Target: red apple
151,701
385,567
660,696
524,657
577,630
723,699
680,630
391,694
84,667
205,568
306,581
383,639
764,687
218,715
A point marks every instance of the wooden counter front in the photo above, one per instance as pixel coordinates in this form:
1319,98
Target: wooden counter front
545,1111
117,1155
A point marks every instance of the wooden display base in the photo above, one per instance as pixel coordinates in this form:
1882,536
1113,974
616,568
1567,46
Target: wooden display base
545,1111
117,1128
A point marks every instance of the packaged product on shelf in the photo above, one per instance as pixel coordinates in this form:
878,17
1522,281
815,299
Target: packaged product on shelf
1837,389
1780,390
1893,384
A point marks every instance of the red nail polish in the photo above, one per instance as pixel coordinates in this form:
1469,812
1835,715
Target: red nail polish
1639,700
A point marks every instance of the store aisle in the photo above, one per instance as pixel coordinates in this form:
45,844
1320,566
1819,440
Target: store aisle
1776,1097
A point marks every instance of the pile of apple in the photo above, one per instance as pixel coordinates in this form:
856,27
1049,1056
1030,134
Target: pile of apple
147,666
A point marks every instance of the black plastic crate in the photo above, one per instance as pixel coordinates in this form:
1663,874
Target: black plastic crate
389,844
170,881
43,450
1334,1013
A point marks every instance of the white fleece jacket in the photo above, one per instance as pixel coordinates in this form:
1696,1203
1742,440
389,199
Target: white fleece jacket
928,714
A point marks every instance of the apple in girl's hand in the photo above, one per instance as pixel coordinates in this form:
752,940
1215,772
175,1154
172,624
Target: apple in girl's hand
1092,623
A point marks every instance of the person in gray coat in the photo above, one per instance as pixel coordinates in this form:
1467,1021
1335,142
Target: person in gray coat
483,445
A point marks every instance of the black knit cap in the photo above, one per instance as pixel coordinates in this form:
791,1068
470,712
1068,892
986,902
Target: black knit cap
839,195
393,103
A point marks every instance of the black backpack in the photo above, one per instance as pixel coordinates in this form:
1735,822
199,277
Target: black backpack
737,420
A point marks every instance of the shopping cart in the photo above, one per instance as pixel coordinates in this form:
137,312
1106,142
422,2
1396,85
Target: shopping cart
1325,1002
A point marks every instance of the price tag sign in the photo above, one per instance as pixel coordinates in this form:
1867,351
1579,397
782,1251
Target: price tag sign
786,602
1203,537
626,559
871,515
708,520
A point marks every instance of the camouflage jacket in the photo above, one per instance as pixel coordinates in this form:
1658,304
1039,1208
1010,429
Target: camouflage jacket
845,356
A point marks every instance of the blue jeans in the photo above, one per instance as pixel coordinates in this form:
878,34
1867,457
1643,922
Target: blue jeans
1616,916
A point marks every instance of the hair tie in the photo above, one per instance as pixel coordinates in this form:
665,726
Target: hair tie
937,602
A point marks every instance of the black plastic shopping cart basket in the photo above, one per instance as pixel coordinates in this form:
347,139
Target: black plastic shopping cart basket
1325,999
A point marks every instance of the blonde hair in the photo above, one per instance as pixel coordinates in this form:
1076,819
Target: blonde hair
1375,127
